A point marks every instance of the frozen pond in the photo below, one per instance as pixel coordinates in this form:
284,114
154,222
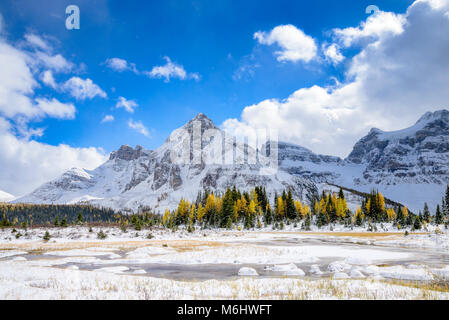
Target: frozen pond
315,257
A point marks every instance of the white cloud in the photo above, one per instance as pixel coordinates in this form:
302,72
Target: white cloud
28,164
107,118
295,44
55,62
395,79
333,54
139,127
16,82
83,89
37,42
56,109
48,79
120,65
128,105
171,70
376,26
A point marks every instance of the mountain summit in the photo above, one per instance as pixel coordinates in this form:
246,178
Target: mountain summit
410,166
134,177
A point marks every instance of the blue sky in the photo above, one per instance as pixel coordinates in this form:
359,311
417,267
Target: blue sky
211,38
322,73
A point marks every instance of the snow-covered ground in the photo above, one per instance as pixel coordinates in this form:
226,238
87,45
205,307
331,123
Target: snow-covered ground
219,264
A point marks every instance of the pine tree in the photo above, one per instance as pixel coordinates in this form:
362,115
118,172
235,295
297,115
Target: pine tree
438,216
417,225
290,209
79,219
228,209
341,194
446,203
426,214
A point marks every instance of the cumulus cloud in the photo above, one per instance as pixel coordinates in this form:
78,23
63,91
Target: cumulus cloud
332,53
56,109
394,79
120,65
171,70
28,164
139,127
294,43
376,26
128,105
16,82
83,89
107,118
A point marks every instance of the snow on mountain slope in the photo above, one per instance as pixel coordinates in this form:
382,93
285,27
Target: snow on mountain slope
134,178
410,166
6,197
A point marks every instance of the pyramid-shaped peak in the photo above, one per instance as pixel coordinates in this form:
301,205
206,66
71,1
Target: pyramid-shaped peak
206,123
201,116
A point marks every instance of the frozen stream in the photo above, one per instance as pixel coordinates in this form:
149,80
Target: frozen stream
314,257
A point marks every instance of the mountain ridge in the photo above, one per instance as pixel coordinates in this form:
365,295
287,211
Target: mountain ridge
409,166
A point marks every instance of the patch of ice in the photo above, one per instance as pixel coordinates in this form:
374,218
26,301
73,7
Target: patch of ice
10,253
72,268
247,272
91,252
338,266
359,261
315,269
288,270
118,269
355,273
371,270
139,271
19,259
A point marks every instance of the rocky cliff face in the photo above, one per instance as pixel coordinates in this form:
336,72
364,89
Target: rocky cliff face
419,154
134,178
410,166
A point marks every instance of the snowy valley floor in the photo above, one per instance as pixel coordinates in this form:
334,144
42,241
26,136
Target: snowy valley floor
206,264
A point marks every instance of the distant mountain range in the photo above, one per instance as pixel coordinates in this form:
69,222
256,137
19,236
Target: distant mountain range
410,166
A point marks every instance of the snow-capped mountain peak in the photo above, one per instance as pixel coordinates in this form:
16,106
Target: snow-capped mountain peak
135,177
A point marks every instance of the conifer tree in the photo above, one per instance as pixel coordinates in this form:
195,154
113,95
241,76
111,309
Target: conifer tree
290,209
228,209
341,194
438,216
426,214
446,203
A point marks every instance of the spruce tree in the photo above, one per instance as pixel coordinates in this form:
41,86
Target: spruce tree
438,216
446,203
290,207
228,209
341,194
426,214
417,224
